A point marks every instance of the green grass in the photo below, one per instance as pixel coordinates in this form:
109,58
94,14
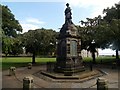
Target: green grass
105,59
23,61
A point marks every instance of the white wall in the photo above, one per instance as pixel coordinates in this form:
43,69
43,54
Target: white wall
85,53
106,52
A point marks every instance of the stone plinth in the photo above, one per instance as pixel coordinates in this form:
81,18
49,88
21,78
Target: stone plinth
69,50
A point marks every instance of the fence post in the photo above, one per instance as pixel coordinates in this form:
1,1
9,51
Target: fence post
102,84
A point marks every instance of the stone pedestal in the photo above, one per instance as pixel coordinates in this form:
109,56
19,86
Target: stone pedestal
68,47
69,50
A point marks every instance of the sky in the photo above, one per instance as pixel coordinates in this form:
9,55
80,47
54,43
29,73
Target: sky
49,14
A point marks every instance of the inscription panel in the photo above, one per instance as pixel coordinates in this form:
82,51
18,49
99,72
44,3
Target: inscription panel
73,48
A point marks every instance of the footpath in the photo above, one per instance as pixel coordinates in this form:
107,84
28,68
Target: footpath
16,81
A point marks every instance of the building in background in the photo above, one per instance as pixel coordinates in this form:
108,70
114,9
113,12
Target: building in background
85,53
100,52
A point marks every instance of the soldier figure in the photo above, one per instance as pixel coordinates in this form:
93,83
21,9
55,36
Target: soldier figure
68,14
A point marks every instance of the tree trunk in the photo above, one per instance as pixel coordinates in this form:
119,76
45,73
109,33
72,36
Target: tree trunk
6,55
33,58
93,56
117,56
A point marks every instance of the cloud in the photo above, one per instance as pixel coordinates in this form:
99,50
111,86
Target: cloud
31,24
27,26
34,21
96,6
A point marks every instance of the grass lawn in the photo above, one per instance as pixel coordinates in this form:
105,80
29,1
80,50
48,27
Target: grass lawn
104,59
23,61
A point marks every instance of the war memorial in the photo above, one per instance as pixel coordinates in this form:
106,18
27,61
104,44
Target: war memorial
68,71
68,65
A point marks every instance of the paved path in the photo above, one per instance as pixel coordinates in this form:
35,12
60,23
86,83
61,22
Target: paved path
16,82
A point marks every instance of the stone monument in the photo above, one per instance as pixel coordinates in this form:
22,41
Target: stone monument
68,66
68,47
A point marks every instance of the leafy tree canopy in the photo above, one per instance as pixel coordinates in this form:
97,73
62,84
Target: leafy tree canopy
39,41
112,17
10,25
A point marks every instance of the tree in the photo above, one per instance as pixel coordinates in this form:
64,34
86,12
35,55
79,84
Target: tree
105,31
113,18
10,25
88,34
11,46
39,41
6,45
0,40
88,30
16,46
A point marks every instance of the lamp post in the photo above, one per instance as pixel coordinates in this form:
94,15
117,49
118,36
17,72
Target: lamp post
92,49
51,48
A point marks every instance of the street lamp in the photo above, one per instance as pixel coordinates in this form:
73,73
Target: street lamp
93,50
51,43
93,42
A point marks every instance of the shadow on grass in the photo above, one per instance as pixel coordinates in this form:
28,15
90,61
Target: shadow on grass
7,65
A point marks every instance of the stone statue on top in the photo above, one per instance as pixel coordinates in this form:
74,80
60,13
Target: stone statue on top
68,17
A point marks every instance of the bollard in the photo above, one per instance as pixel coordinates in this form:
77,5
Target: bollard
12,71
27,83
102,84
29,65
